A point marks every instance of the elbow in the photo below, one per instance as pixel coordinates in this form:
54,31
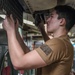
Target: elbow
17,66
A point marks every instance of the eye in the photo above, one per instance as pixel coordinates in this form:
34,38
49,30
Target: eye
47,15
51,16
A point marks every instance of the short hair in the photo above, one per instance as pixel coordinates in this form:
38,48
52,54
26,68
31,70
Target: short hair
67,12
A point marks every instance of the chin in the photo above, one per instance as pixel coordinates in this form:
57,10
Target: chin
49,33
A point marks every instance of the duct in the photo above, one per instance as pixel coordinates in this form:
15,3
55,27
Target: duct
36,5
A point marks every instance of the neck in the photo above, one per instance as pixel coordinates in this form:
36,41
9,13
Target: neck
60,33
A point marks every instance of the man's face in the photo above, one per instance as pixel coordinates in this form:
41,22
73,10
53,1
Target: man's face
53,23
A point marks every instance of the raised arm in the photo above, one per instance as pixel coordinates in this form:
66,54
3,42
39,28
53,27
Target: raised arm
43,32
19,58
40,24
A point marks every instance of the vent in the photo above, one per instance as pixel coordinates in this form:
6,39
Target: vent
12,7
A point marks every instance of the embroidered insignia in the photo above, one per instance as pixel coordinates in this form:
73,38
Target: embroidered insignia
46,49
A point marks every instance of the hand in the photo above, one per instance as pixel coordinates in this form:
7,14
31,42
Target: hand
41,25
39,21
9,24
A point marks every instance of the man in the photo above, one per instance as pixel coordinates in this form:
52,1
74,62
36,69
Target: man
55,57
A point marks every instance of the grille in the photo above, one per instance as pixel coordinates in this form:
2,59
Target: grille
12,7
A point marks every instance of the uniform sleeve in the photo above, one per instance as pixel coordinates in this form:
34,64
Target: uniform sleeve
52,51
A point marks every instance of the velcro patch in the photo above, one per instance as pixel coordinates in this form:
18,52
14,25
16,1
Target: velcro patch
46,49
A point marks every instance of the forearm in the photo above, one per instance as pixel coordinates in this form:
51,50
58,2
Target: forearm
44,34
22,44
15,50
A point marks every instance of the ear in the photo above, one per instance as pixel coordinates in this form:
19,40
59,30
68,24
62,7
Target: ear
62,21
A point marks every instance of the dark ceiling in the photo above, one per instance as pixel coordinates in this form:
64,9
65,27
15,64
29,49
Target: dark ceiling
18,7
